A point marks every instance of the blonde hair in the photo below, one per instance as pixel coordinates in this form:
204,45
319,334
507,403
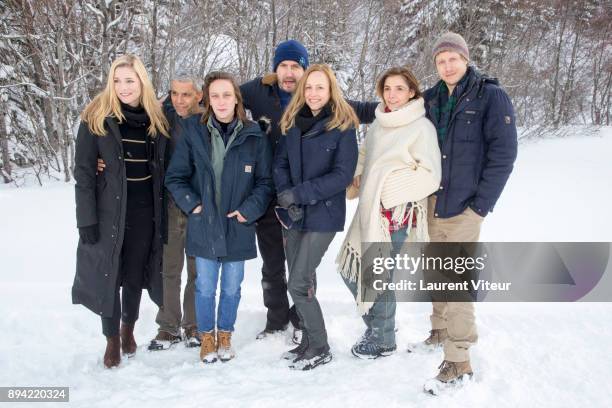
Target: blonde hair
343,115
107,103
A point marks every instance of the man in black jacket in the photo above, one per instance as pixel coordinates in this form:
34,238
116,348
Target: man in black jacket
268,96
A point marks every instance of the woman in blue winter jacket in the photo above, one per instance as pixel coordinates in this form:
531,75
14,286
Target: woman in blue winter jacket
220,175
315,162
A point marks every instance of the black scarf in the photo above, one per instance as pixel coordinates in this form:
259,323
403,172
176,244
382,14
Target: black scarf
305,121
135,117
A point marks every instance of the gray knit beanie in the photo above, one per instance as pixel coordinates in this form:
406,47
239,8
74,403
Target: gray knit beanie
451,42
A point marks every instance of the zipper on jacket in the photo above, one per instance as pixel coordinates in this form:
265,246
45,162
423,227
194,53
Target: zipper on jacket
452,123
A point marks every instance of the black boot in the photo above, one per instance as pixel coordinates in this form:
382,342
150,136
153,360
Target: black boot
299,350
312,358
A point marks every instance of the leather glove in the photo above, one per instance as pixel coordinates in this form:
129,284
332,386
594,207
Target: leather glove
295,213
286,198
89,234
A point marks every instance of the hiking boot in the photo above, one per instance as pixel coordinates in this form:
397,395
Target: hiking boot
208,349
191,338
112,354
451,374
435,340
163,341
224,346
312,358
128,343
269,332
367,349
297,351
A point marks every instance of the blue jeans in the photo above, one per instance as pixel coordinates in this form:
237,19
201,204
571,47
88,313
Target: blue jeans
207,277
380,319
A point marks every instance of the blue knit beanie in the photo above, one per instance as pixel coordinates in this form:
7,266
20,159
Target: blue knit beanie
290,50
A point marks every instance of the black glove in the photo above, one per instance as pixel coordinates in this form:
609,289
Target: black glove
89,234
286,198
295,213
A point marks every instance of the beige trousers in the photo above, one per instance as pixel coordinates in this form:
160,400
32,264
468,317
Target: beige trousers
457,317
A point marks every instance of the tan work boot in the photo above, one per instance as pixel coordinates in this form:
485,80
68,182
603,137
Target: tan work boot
128,343
208,349
112,355
452,374
436,339
224,346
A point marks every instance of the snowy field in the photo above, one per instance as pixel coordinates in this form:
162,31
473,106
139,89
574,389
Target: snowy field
528,355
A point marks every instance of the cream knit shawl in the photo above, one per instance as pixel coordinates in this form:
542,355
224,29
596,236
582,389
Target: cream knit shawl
399,163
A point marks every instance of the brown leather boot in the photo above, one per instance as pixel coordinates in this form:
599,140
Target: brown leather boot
436,339
451,375
112,355
452,371
128,343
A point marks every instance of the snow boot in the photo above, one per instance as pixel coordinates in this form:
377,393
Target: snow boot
163,341
268,332
224,346
191,338
208,349
435,340
451,375
128,343
297,351
367,349
112,355
312,358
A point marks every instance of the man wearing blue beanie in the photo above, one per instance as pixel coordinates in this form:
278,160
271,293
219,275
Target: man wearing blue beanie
268,96
290,50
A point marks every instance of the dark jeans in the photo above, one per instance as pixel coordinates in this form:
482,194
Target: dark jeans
135,254
274,281
304,253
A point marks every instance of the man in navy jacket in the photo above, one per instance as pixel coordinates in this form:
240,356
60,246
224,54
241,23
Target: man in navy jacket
476,130
268,96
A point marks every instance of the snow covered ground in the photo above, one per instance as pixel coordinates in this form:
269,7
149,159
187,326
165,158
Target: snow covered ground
538,354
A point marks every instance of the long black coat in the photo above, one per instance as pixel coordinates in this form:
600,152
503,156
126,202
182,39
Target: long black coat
101,199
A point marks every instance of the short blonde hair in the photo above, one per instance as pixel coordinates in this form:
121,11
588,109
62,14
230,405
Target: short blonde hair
107,103
343,115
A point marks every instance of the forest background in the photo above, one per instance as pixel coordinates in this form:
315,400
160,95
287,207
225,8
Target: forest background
554,57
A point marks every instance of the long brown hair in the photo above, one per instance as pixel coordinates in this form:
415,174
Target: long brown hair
343,115
213,76
406,73
107,103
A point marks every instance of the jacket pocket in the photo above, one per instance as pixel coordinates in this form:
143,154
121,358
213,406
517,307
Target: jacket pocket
329,145
467,125
247,164
100,182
